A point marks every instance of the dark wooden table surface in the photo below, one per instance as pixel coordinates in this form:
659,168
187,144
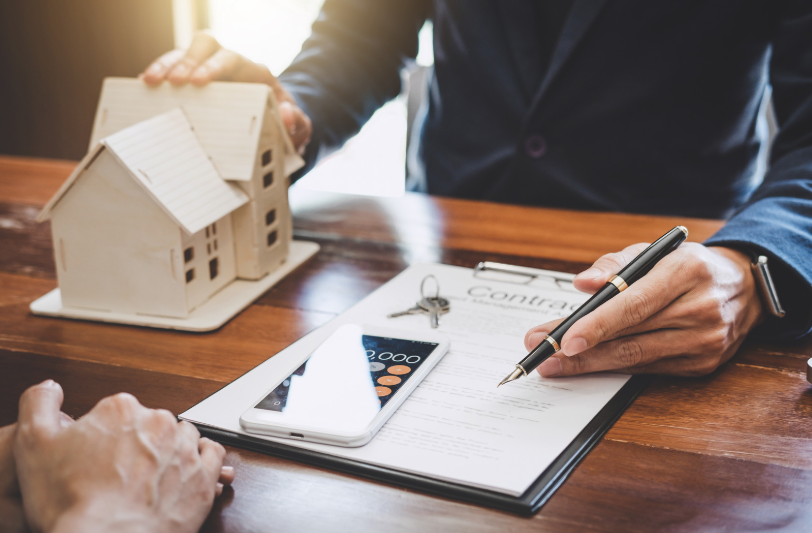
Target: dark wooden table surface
727,452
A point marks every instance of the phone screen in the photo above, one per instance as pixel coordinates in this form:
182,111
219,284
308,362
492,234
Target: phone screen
347,380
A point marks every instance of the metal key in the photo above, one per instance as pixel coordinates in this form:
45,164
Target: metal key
434,306
413,311
423,306
434,312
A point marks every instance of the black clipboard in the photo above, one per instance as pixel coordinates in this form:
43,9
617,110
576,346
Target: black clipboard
528,503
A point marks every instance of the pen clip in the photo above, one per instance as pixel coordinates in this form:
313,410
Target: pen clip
533,277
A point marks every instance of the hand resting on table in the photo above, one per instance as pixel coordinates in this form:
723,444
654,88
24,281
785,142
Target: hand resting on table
121,467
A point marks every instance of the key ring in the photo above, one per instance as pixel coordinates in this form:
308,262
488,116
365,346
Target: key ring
422,287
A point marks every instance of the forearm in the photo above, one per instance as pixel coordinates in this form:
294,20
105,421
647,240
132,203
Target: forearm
350,65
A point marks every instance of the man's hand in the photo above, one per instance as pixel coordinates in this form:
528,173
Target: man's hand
685,317
121,467
207,61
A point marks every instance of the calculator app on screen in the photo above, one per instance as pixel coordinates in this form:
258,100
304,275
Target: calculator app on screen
391,363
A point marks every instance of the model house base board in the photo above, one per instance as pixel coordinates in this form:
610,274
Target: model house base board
215,312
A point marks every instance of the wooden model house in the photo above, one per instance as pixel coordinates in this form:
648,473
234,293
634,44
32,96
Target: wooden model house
183,191
240,129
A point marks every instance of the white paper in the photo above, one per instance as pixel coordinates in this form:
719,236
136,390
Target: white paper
456,426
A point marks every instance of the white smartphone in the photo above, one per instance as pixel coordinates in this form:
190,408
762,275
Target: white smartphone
348,387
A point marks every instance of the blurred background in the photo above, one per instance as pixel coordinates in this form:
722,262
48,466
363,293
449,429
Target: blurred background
54,55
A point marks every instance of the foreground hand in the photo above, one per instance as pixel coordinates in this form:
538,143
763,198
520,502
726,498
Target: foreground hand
206,60
121,467
685,317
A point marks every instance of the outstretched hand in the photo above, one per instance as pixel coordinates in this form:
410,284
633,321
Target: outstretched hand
206,61
121,467
685,317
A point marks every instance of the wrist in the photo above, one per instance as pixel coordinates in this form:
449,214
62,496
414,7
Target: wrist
755,306
99,518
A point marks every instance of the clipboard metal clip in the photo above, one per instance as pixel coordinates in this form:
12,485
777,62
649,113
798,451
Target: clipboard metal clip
533,277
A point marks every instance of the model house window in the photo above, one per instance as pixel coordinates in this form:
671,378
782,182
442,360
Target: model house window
207,232
267,180
214,229
272,238
208,248
266,158
190,275
215,245
270,216
188,254
213,268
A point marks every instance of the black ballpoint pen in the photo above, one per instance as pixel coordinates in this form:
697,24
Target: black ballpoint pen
636,269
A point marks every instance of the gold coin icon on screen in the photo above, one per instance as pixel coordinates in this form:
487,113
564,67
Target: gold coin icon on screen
399,369
388,380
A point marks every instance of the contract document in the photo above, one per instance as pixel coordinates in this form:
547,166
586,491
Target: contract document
456,426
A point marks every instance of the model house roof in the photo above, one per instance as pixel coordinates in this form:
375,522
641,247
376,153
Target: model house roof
227,118
165,157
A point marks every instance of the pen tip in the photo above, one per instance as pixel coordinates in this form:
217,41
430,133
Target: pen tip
513,376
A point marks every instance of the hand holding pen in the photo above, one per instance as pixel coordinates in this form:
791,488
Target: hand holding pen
685,317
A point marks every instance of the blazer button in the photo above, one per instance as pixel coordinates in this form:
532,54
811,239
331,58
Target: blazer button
535,146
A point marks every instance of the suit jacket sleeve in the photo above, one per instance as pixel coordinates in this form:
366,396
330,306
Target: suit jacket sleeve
350,65
777,220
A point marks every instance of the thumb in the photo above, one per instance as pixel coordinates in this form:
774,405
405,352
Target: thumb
40,409
296,123
288,114
598,274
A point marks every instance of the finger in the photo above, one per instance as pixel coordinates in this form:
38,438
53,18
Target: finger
596,276
156,72
227,475
203,46
212,455
160,427
220,66
683,313
650,294
40,409
218,490
682,365
536,334
625,352
121,408
65,420
297,124
700,363
189,432
189,438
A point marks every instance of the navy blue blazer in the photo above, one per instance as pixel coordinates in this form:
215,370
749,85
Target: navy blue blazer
646,107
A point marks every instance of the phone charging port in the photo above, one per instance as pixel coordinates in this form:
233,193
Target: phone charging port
297,435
